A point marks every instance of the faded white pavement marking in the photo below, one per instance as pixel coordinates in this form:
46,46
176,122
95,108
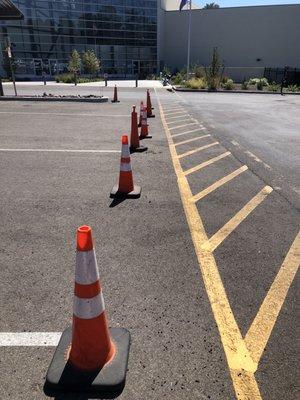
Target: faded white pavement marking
29,339
59,151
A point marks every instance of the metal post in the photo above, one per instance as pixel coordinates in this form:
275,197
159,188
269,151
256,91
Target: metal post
189,42
1,88
136,81
13,76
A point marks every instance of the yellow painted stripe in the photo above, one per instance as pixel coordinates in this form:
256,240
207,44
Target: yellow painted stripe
186,132
206,163
258,335
189,153
178,116
184,119
191,140
177,110
241,365
231,225
183,126
219,183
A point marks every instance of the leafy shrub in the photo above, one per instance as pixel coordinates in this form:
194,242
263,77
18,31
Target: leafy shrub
195,83
177,79
255,81
245,85
293,88
260,85
69,78
198,71
213,75
224,79
228,85
65,78
273,87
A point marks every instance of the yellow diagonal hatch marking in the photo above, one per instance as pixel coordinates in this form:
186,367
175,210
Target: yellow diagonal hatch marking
241,365
258,335
219,183
206,163
239,217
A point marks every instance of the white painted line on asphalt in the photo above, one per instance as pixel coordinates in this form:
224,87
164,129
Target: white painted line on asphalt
65,114
29,339
59,151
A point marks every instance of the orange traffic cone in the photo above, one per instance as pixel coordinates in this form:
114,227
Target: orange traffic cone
134,137
115,99
145,128
93,345
149,106
125,188
141,114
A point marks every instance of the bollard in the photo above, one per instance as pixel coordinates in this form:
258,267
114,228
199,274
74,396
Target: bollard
136,81
1,88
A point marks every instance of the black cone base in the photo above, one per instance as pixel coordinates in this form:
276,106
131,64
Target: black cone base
63,378
116,194
151,116
139,149
115,101
145,137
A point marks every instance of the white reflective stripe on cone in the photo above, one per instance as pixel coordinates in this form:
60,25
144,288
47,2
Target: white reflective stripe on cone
89,308
125,151
125,167
86,271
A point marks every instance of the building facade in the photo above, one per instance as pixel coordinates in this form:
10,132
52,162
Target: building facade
140,37
122,33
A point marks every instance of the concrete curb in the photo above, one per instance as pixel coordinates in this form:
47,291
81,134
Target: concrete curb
54,99
179,89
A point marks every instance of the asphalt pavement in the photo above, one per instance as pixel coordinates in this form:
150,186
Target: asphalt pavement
177,297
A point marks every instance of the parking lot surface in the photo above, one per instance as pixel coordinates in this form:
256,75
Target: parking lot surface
201,269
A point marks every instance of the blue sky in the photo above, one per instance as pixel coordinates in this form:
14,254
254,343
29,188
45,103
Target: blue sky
239,3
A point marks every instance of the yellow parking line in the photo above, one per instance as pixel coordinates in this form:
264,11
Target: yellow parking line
183,119
219,183
189,153
178,116
258,335
191,140
182,126
231,225
242,367
177,110
206,163
186,132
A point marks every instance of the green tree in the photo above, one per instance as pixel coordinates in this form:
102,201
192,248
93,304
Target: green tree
209,6
74,65
91,63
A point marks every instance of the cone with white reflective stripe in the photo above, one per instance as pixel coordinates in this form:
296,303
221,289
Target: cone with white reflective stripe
91,344
126,187
90,358
135,145
145,127
141,114
149,106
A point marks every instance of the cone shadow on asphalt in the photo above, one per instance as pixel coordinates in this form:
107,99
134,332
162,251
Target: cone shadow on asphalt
117,201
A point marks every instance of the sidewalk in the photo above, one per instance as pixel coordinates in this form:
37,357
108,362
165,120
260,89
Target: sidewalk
110,83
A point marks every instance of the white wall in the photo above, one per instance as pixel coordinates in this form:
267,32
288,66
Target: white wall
242,35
